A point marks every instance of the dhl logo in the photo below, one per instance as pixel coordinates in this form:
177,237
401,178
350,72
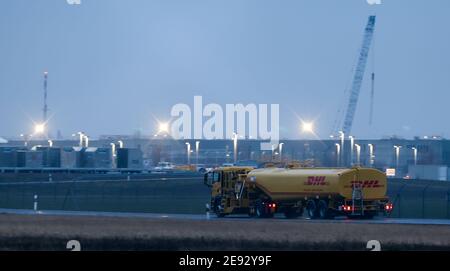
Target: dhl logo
316,180
366,184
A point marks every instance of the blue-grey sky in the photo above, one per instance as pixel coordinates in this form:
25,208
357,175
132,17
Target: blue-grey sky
115,65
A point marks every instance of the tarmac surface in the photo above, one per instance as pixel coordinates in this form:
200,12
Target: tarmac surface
207,217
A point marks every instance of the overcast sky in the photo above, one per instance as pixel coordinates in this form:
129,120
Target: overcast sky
117,65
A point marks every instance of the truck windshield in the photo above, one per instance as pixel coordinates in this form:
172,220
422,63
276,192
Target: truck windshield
211,178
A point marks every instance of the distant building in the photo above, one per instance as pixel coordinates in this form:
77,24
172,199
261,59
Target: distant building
429,172
71,157
383,154
51,156
8,156
129,158
30,159
97,158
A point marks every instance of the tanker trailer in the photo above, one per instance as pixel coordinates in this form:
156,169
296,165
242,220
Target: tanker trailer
322,192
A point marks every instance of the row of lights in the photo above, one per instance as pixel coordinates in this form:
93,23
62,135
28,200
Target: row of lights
39,129
163,127
306,127
371,151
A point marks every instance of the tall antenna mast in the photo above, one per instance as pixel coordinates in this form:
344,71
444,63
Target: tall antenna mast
45,108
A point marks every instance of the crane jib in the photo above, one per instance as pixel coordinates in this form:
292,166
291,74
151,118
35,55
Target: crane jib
358,76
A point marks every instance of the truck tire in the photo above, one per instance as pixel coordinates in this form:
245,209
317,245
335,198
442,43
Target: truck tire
220,215
311,208
293,212
324,212
216,206
369,215
261,210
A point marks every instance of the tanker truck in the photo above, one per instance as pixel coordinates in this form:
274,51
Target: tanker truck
323,193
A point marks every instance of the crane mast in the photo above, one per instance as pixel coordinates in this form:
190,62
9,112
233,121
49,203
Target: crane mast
358,76
372,94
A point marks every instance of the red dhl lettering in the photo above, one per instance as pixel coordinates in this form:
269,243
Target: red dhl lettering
366,184
316,180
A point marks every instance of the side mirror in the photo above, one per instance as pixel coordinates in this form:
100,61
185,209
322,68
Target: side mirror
205,180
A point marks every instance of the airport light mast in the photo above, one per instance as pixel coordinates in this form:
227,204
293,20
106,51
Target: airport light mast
45,109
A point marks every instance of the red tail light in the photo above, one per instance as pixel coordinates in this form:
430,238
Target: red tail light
346,208
389,207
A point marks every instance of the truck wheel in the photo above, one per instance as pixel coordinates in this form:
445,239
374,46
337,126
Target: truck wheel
216,207
324,212
293,212
311,207
260,209
368,215
251,212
